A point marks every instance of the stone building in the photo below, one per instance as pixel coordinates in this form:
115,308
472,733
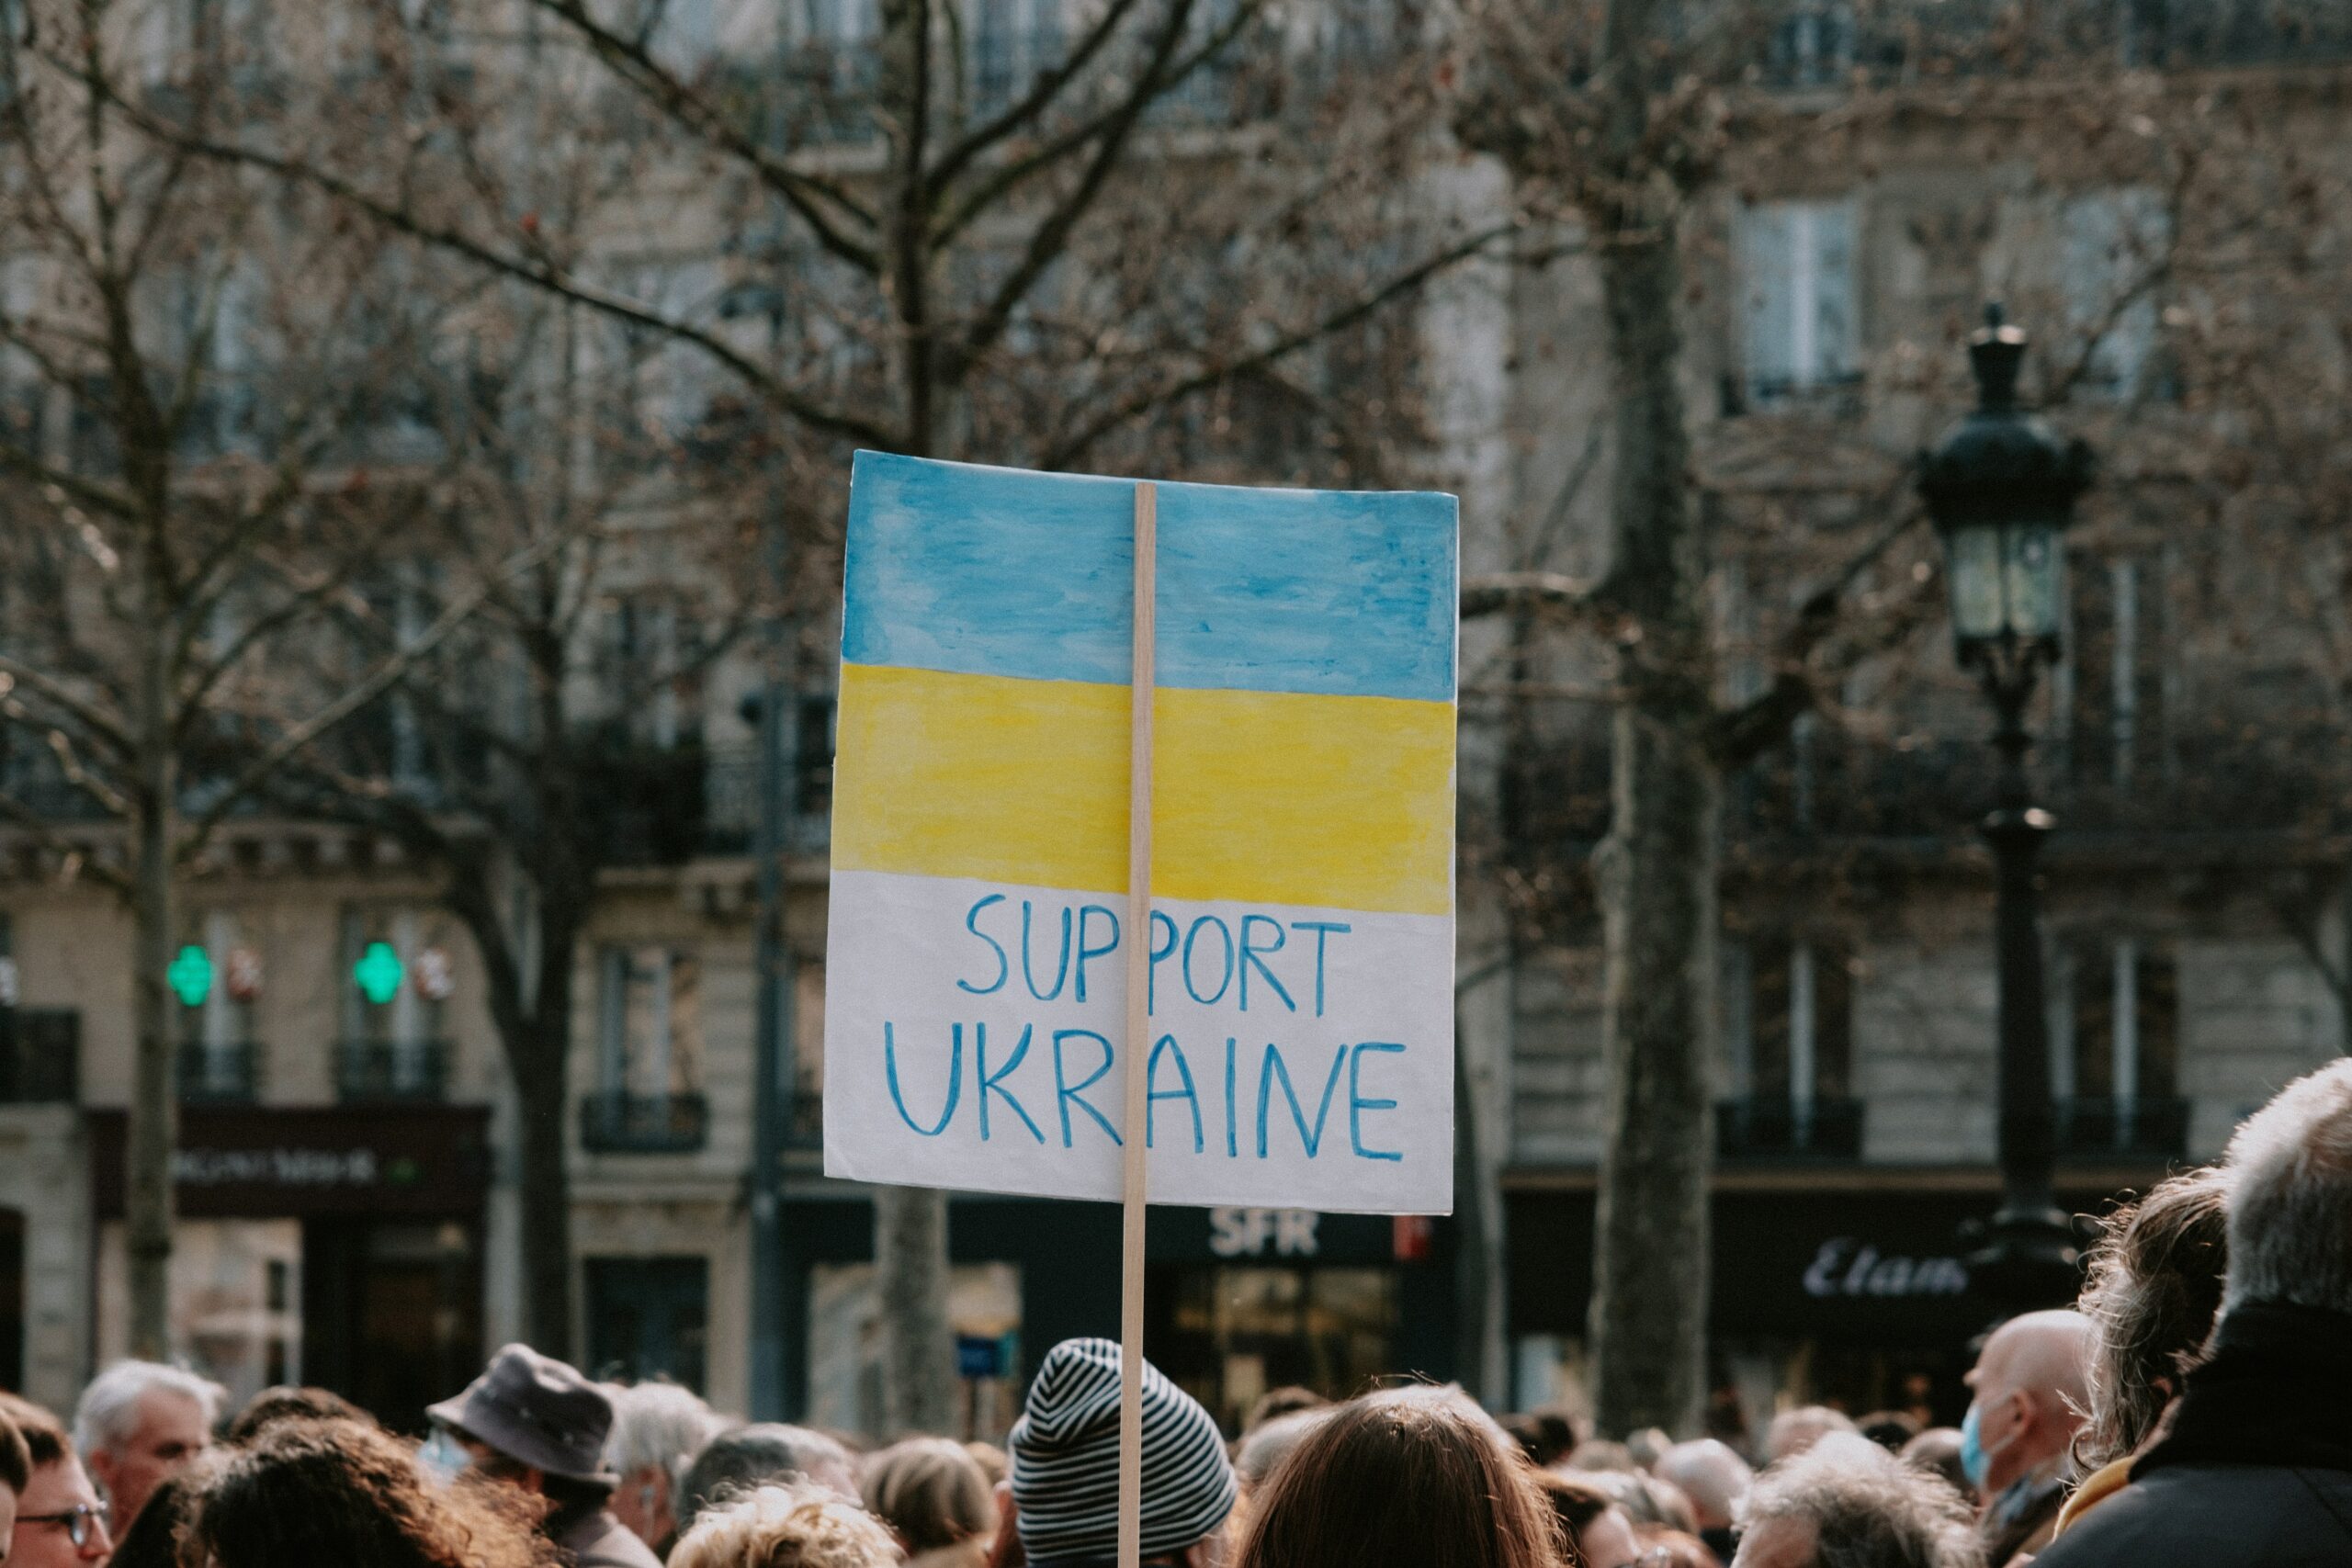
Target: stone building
346,1177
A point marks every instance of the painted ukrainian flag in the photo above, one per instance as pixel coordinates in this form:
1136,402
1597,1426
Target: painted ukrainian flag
1303,839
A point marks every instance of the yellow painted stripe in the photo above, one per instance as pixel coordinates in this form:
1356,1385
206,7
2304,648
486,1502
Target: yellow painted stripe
1274,797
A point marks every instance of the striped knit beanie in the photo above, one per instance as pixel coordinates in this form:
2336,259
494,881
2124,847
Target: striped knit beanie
1066,1460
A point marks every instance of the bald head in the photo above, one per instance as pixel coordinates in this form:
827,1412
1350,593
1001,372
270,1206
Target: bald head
2031,1386
1711,1475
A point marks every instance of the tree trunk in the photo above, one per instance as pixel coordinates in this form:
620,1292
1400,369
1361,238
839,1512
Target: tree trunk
154,1107
911,1282
1658,871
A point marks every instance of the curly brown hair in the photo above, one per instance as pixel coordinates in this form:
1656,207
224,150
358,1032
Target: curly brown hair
342,1492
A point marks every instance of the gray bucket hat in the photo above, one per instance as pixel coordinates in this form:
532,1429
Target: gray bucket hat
536,1411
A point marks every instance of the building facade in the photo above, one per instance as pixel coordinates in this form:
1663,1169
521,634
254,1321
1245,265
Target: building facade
346,1177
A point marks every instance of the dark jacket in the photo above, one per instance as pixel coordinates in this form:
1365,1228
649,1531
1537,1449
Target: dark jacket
2256,1467
593,1539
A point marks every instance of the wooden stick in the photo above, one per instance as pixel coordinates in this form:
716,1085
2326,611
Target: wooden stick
1136,1120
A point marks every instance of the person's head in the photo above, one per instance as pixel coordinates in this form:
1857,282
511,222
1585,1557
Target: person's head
305,1493
1663,1546
768,1453
1715,1480
2030,1394
536,1424
287,1403
2288,1195
153,1539
1600,1453
1543,1436
1846,1503
139,1422
1065,1453
1890,1430
1267,1444
1936,1450
929,1491
658,1428
1277,1402
1645,1445
2155,1289
1399,1483
15,1468
792,1526
1794,1431
1595,1531
60,1520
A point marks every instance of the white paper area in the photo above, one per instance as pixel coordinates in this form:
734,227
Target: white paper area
912,953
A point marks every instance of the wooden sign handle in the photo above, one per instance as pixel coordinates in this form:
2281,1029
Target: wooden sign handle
1134,1121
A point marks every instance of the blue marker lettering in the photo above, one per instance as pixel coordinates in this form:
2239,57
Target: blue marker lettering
1159,952
1322,929
993,1082
1066,1092
1272,1068
1153,1095
1084,952
954,1078
1249,957
1003,964
1357,1104
1061,966
1224,976
1232,1139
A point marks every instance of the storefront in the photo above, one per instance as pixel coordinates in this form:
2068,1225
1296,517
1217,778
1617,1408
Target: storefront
335,1247
1238,1300
1859,1297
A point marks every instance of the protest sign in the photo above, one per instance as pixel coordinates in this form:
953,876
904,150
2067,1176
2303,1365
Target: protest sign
1297,970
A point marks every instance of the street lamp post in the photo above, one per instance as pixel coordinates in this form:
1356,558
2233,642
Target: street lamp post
2001,488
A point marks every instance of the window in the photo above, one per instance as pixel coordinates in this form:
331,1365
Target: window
649,1317
2117,732
2122,1041
649,1021
2115,244
1799,322
1012,40
395,974
1813,44
1788,1020
216,980
652,646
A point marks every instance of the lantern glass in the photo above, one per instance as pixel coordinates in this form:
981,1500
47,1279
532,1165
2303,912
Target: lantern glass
2007,580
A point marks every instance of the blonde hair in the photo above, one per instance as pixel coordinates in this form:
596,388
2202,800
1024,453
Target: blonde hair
930,1491
795,1525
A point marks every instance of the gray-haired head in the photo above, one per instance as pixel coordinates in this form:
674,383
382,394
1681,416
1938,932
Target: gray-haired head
1864,1508
1714,1478
734,1463
108,1412
657,1425
1270,1443
1794,1431
2289,1171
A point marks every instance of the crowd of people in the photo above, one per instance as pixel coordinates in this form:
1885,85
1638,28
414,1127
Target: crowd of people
2194,1408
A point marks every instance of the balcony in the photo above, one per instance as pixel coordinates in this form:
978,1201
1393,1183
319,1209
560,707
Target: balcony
399,1070
2110,1128
41,1057
1773,1128
227,1073
616,1122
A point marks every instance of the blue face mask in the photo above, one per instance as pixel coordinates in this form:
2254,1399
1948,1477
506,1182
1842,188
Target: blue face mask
441,1458
1972,1458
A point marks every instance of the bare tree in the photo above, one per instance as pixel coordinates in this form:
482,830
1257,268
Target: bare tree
1104,253
185,347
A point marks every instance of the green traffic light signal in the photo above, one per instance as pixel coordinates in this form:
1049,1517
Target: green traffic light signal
191,976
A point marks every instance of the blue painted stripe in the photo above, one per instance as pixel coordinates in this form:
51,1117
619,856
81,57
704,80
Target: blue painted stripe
997,571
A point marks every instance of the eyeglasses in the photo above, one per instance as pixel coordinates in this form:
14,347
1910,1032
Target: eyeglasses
80,1523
